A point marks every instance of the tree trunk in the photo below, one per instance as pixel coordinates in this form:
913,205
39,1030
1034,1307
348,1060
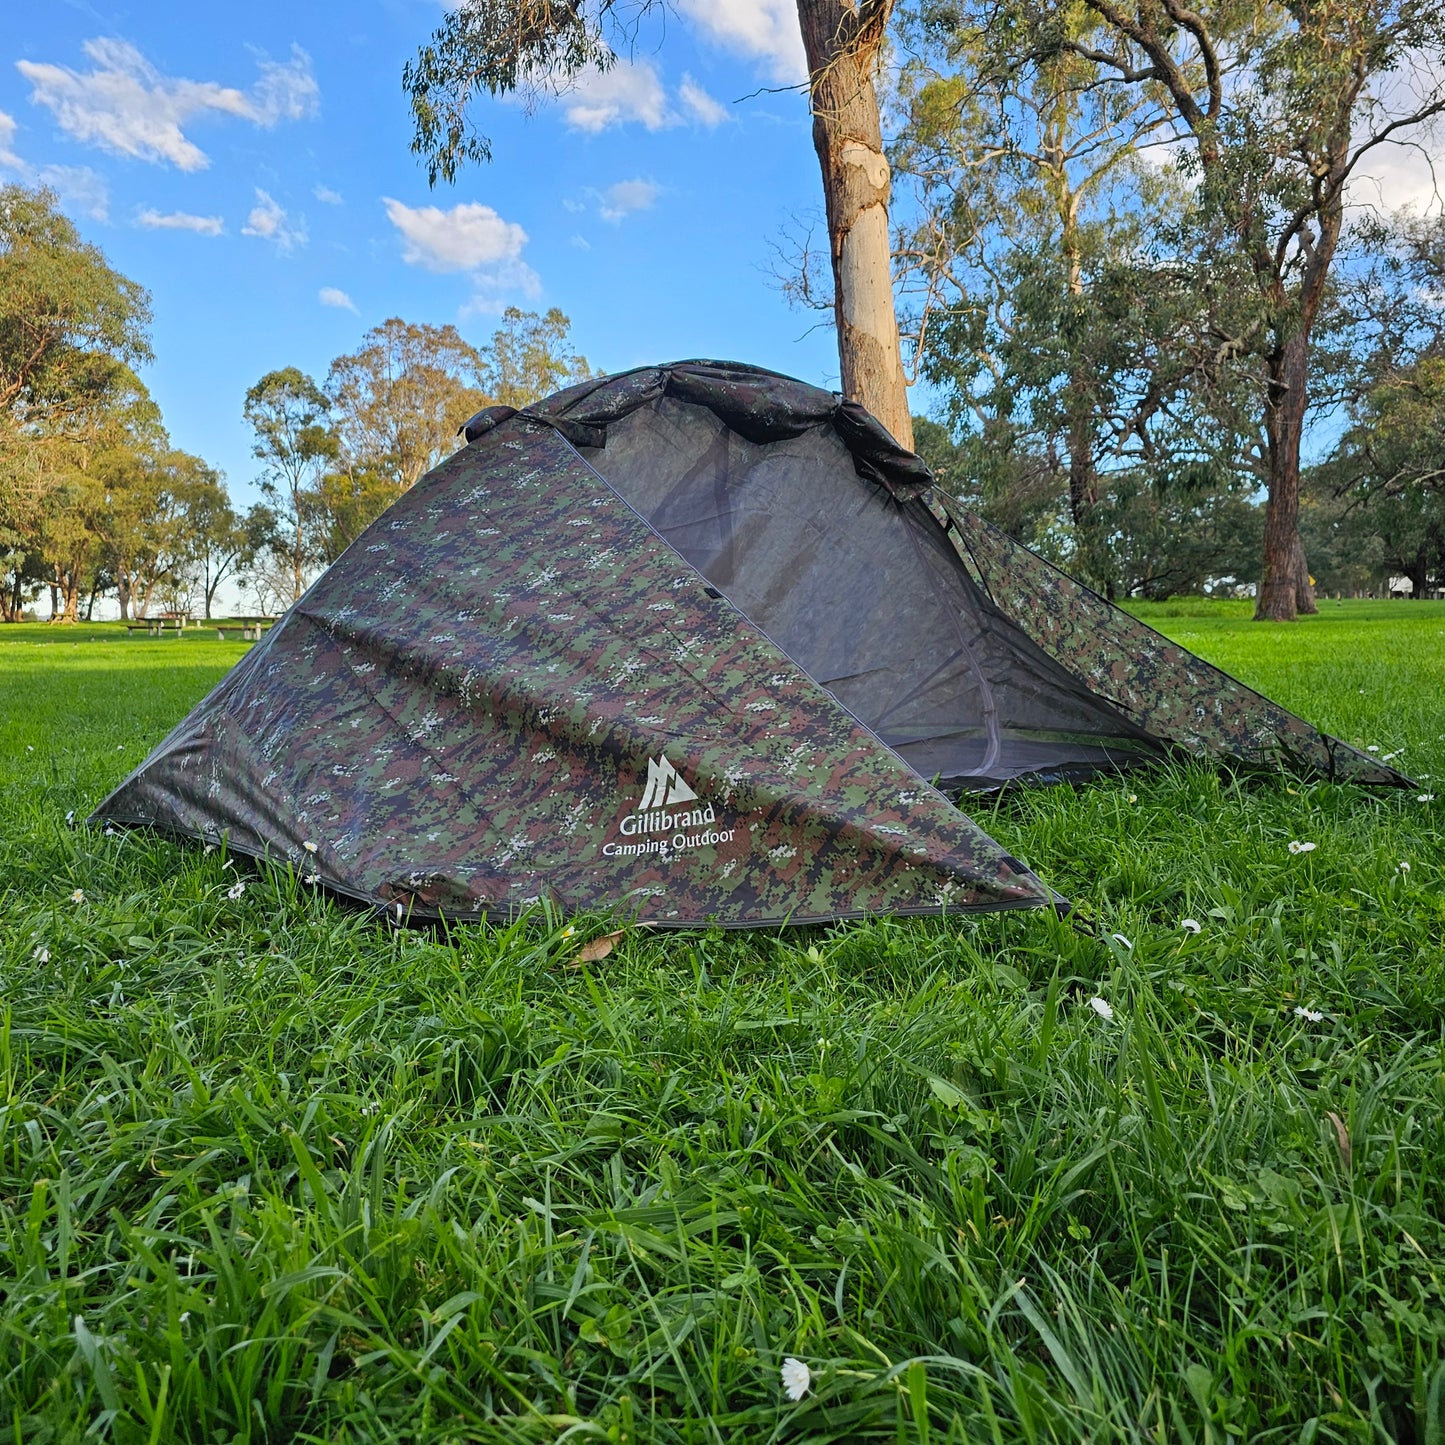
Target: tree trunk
1093,551
70,596
1284,585
122,592
298,554
1417,569
842,40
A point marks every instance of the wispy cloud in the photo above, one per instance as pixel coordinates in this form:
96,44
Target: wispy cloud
625,197
126,106
767,30
335,296
180,221
327,196
270,222
699,104
629,91
77,186
8,157
470,238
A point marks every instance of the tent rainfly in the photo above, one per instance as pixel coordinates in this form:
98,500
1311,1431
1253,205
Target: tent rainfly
696,641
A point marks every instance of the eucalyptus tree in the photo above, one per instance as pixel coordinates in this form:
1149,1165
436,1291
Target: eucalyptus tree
1385,477
506,46
71,327
531,356
290,416
1274,108
216,539
1061,333
1026,178
398,399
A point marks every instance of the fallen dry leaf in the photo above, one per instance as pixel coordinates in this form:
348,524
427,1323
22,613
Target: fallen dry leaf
1342,1136
598,948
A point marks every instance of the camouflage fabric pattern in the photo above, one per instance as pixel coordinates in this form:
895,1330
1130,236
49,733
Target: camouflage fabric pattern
1165,689
511,689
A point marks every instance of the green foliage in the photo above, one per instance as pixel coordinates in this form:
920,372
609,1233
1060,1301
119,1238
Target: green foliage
530,357
70,328
290,416
1379,501
270,1171
399,399
1069,358
500,47
66,319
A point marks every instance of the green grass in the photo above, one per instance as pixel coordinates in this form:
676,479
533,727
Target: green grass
271,1172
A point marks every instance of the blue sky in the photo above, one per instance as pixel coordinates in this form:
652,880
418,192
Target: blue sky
249,165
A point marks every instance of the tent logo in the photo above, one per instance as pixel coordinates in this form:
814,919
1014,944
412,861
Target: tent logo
665,786
662,823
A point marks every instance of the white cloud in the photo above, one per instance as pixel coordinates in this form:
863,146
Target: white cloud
765,29
327,196
466,237
335,296
77,186
495,285
625,197
126,106
702,106
1398,177
80,187
268,220
8,159
470,238
628,91
580,242
180,221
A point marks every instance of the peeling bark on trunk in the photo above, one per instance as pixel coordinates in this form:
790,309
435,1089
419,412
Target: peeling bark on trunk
842,41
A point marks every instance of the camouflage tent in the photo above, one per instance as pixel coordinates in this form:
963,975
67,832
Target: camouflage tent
696,641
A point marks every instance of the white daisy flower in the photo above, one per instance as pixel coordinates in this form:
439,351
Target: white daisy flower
42,954
1101,1008
1404,866
1424,797
797,1378
309,847
1297,847
1308,1014
236,889
78,896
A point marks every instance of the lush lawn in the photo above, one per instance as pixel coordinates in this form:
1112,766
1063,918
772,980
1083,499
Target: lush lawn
269,1172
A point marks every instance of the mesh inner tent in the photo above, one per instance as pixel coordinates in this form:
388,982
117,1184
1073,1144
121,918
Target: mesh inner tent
863,592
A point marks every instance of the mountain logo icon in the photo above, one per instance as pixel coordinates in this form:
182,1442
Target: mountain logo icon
665,786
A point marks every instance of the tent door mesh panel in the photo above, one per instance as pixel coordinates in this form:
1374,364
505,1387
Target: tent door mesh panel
867,595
